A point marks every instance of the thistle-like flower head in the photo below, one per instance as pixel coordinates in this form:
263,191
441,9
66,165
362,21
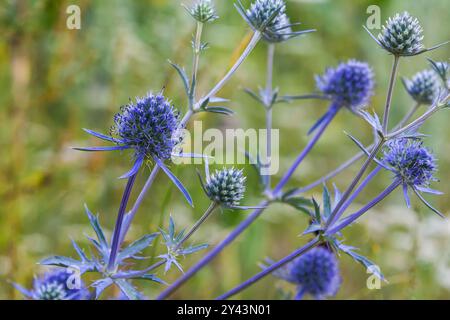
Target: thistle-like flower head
149,125
226,187
317,273
413,163
402,35
56,285
350,84
269,17
423,87
441,68
203,11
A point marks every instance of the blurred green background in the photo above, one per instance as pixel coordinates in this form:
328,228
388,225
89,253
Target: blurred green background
55,81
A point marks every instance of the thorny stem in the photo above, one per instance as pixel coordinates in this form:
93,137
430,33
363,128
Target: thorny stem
271,268
251,45
268,107
115,242
389,94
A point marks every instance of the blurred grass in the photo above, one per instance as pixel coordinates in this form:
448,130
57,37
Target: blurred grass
55,81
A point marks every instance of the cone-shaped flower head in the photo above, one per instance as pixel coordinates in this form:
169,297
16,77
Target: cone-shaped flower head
316,273
226,187
402,35
423,86
414,164
149,125
350,84
203,11
58,285
259,13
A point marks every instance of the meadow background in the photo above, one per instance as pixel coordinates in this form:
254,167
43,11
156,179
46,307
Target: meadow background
55,81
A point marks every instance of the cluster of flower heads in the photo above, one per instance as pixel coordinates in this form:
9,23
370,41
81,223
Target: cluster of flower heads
315,273
226,187
56,285
423,86
149,125
413,163
350,84
402,35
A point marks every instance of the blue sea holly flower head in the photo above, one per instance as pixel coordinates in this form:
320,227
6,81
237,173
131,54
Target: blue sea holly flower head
58,284
226,187
414,166
269,17
150,126
350,84
315,273
402,36
203,11
423,87
441,68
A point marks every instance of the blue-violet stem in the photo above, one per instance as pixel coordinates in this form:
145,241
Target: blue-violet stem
352,218
311,244
355,194
214,252
334,108
115,243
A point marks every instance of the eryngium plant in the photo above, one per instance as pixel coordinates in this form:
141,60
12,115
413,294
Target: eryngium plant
203,11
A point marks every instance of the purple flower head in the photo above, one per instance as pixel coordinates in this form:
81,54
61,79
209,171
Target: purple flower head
149,126
316,273
414,164
423,87
350,84
58,285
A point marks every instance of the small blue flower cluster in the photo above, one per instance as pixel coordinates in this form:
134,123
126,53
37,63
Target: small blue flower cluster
316,273
54,285
150,126
350,84
414,164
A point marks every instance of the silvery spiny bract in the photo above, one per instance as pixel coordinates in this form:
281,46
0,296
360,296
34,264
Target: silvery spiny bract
423,86
226,187
402,35
203,11
350,84
413,163
54,285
